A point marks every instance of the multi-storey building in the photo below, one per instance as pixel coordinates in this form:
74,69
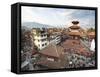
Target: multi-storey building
40,38
54,38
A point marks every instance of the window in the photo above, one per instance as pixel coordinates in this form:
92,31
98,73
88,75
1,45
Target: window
43,40
45,43
42,44
50,59
44,35
41,35
39,45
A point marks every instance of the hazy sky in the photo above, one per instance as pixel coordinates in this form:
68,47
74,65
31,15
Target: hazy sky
56,16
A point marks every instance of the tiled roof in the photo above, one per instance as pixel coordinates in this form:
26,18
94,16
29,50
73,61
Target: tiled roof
75,46
74,27
75,22
34,52
53,64
91,34
49,64
74,33
52,51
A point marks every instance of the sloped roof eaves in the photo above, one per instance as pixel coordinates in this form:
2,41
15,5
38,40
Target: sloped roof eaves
51,51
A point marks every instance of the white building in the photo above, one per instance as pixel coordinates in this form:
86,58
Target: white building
54,38
40,38
92,47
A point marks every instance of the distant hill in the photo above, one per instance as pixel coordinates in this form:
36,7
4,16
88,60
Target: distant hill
25,28
31,25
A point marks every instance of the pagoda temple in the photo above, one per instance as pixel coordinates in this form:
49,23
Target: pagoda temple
74,30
